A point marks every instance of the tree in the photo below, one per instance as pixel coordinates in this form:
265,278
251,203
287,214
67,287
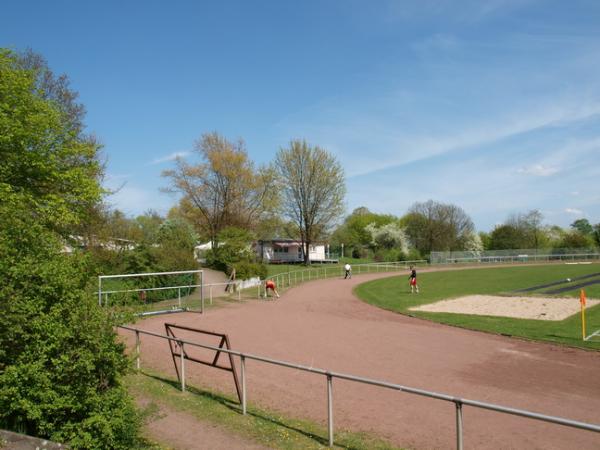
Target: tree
353,232
576,239
505,237
583,226
596,234
43,158
433,226
224,189
61,365
313,189
529,225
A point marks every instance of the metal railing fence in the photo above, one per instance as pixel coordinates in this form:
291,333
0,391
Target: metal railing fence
295,277
514,255
458,401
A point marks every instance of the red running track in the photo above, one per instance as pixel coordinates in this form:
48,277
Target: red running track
322,324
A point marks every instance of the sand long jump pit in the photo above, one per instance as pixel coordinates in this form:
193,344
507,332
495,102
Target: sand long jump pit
538,308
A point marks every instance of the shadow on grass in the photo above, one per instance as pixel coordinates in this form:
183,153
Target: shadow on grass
236,407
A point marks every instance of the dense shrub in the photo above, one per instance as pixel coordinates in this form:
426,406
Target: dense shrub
245,270
60,361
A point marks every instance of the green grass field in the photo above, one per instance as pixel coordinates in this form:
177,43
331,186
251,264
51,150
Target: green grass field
394,294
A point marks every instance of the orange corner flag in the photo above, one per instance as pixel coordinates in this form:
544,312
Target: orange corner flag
582,297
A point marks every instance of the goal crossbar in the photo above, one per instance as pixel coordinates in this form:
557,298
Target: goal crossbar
149,289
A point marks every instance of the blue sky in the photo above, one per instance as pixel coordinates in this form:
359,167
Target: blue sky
493,105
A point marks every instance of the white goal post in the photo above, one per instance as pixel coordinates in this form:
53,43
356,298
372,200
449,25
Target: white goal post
177,289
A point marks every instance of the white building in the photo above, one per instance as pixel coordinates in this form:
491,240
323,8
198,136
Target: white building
289,251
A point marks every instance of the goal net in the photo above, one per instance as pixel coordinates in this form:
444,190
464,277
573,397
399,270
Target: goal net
152,293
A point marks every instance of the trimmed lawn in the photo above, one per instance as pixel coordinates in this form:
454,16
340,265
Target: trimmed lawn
394,294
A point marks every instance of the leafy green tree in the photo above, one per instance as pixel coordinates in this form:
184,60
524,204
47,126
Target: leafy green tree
583,226
42,157
529,225
596,234
234,252
576,239
60,361
507,237
433,226
313,190
61,364
485,240
224,189
353,231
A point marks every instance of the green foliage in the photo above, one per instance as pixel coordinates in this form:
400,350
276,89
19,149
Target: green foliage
433,226
353,233
60,361
245,270
576,239
583,226
42,159
235,252
506,237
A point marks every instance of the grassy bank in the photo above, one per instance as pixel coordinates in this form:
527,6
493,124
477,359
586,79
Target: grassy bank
258,425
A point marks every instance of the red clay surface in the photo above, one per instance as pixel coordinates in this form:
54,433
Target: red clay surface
322,324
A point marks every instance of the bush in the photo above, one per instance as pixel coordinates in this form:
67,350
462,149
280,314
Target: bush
245,270
60,361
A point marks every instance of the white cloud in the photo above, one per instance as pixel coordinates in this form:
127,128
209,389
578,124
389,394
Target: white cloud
574,211
539,170
172,157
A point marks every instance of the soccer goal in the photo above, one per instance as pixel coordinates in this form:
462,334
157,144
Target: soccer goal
586,324
154,292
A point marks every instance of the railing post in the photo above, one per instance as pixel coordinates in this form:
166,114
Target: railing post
330,408
179,296
459,426
243,373
182,358
137,350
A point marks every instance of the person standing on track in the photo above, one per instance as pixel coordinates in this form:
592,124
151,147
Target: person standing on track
412,280
270,286
348,270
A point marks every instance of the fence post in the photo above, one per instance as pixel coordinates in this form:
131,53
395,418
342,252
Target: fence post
330,408
137,350
243,373
182,358
459,426
179,296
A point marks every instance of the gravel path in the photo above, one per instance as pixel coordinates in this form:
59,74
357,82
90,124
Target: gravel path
322,324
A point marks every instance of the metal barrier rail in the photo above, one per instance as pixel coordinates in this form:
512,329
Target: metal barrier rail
518,258
286,279
458,402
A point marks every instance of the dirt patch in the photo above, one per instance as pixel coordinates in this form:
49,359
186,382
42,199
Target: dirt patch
182,431
539,308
